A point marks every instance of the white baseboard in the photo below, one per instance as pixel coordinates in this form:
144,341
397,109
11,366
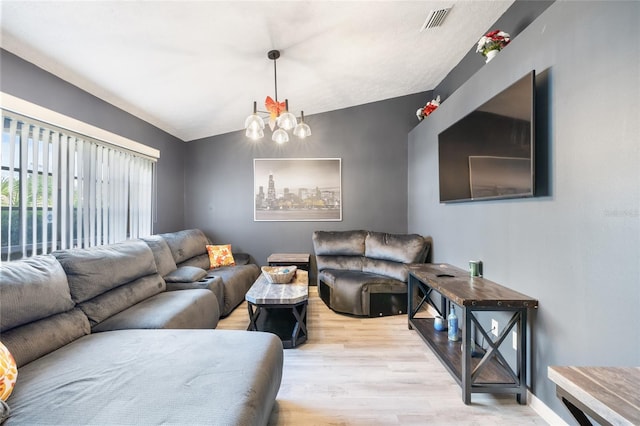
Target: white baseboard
543,411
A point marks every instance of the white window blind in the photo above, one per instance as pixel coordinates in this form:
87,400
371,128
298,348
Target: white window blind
61,189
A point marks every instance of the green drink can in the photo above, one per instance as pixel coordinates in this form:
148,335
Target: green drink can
475,268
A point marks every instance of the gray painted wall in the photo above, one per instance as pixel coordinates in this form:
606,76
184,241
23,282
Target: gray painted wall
576,249
371,141
26,81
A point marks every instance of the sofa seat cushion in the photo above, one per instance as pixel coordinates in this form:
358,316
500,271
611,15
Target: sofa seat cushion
211,283
185,274
236,282
350,290
196,308
134,377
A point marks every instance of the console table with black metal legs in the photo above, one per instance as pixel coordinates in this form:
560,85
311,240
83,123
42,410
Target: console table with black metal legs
440,285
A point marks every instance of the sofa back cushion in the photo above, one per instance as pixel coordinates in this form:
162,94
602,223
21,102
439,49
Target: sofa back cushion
161,253
388,268
200,261
32,289
106,280
376,252
33,340
344,243
187,244
96,270
345,263
403,248
38,314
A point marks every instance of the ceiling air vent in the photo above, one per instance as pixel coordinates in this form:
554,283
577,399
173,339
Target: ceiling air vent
435,18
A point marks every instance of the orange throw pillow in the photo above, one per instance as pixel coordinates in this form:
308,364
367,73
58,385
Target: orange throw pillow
8,372
220,256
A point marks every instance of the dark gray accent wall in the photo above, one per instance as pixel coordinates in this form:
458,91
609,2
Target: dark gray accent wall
371,141
577,248
26,81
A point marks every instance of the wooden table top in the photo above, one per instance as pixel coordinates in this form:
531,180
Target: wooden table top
456,285
611,392
262,292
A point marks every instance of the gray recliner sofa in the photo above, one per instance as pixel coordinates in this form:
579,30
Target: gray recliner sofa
128,373
118,286
189,257
365,273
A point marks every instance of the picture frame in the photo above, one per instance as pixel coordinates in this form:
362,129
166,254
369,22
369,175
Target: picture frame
297,189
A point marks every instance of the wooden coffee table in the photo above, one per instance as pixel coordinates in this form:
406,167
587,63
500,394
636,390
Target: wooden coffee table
280,309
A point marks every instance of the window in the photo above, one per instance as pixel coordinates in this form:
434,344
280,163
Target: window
62,189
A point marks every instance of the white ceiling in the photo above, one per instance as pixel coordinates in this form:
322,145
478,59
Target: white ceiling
193,68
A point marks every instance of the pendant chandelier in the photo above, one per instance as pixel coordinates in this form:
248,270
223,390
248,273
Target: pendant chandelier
279,115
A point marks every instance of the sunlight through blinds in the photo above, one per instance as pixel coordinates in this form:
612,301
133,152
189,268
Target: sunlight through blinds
64,190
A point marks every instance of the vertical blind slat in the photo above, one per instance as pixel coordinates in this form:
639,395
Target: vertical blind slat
74,217
64,191
35,177
99,184
45,190
91,199
55,175
13,138
24,155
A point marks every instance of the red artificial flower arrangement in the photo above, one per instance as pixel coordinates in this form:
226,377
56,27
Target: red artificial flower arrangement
428,108
493,40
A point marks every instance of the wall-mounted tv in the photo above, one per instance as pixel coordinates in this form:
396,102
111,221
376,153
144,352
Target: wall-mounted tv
489,153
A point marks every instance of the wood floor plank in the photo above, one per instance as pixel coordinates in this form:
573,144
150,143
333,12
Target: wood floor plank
373,371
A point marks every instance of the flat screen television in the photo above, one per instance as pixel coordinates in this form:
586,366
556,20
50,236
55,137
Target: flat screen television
489,153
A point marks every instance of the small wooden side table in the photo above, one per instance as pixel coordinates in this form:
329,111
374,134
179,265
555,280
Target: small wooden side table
300,260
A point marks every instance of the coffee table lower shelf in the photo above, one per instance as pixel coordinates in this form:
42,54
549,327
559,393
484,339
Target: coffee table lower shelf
288,322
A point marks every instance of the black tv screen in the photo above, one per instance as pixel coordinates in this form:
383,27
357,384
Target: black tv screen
489,153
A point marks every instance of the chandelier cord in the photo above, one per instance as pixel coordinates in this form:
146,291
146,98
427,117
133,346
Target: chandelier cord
275,78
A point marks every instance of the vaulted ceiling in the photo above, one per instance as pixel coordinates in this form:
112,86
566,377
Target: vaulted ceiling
194,68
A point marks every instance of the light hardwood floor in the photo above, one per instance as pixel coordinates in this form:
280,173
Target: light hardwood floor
373,371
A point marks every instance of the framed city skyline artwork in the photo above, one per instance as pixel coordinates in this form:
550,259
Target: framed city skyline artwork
297,189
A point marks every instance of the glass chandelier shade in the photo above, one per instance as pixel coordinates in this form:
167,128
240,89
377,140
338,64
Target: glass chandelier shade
254,124
302,130
280,136
285,120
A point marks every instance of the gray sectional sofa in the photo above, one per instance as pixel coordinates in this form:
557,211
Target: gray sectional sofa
188,251
98,339
365,273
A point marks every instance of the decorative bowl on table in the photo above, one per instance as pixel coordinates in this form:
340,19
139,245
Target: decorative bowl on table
279,274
